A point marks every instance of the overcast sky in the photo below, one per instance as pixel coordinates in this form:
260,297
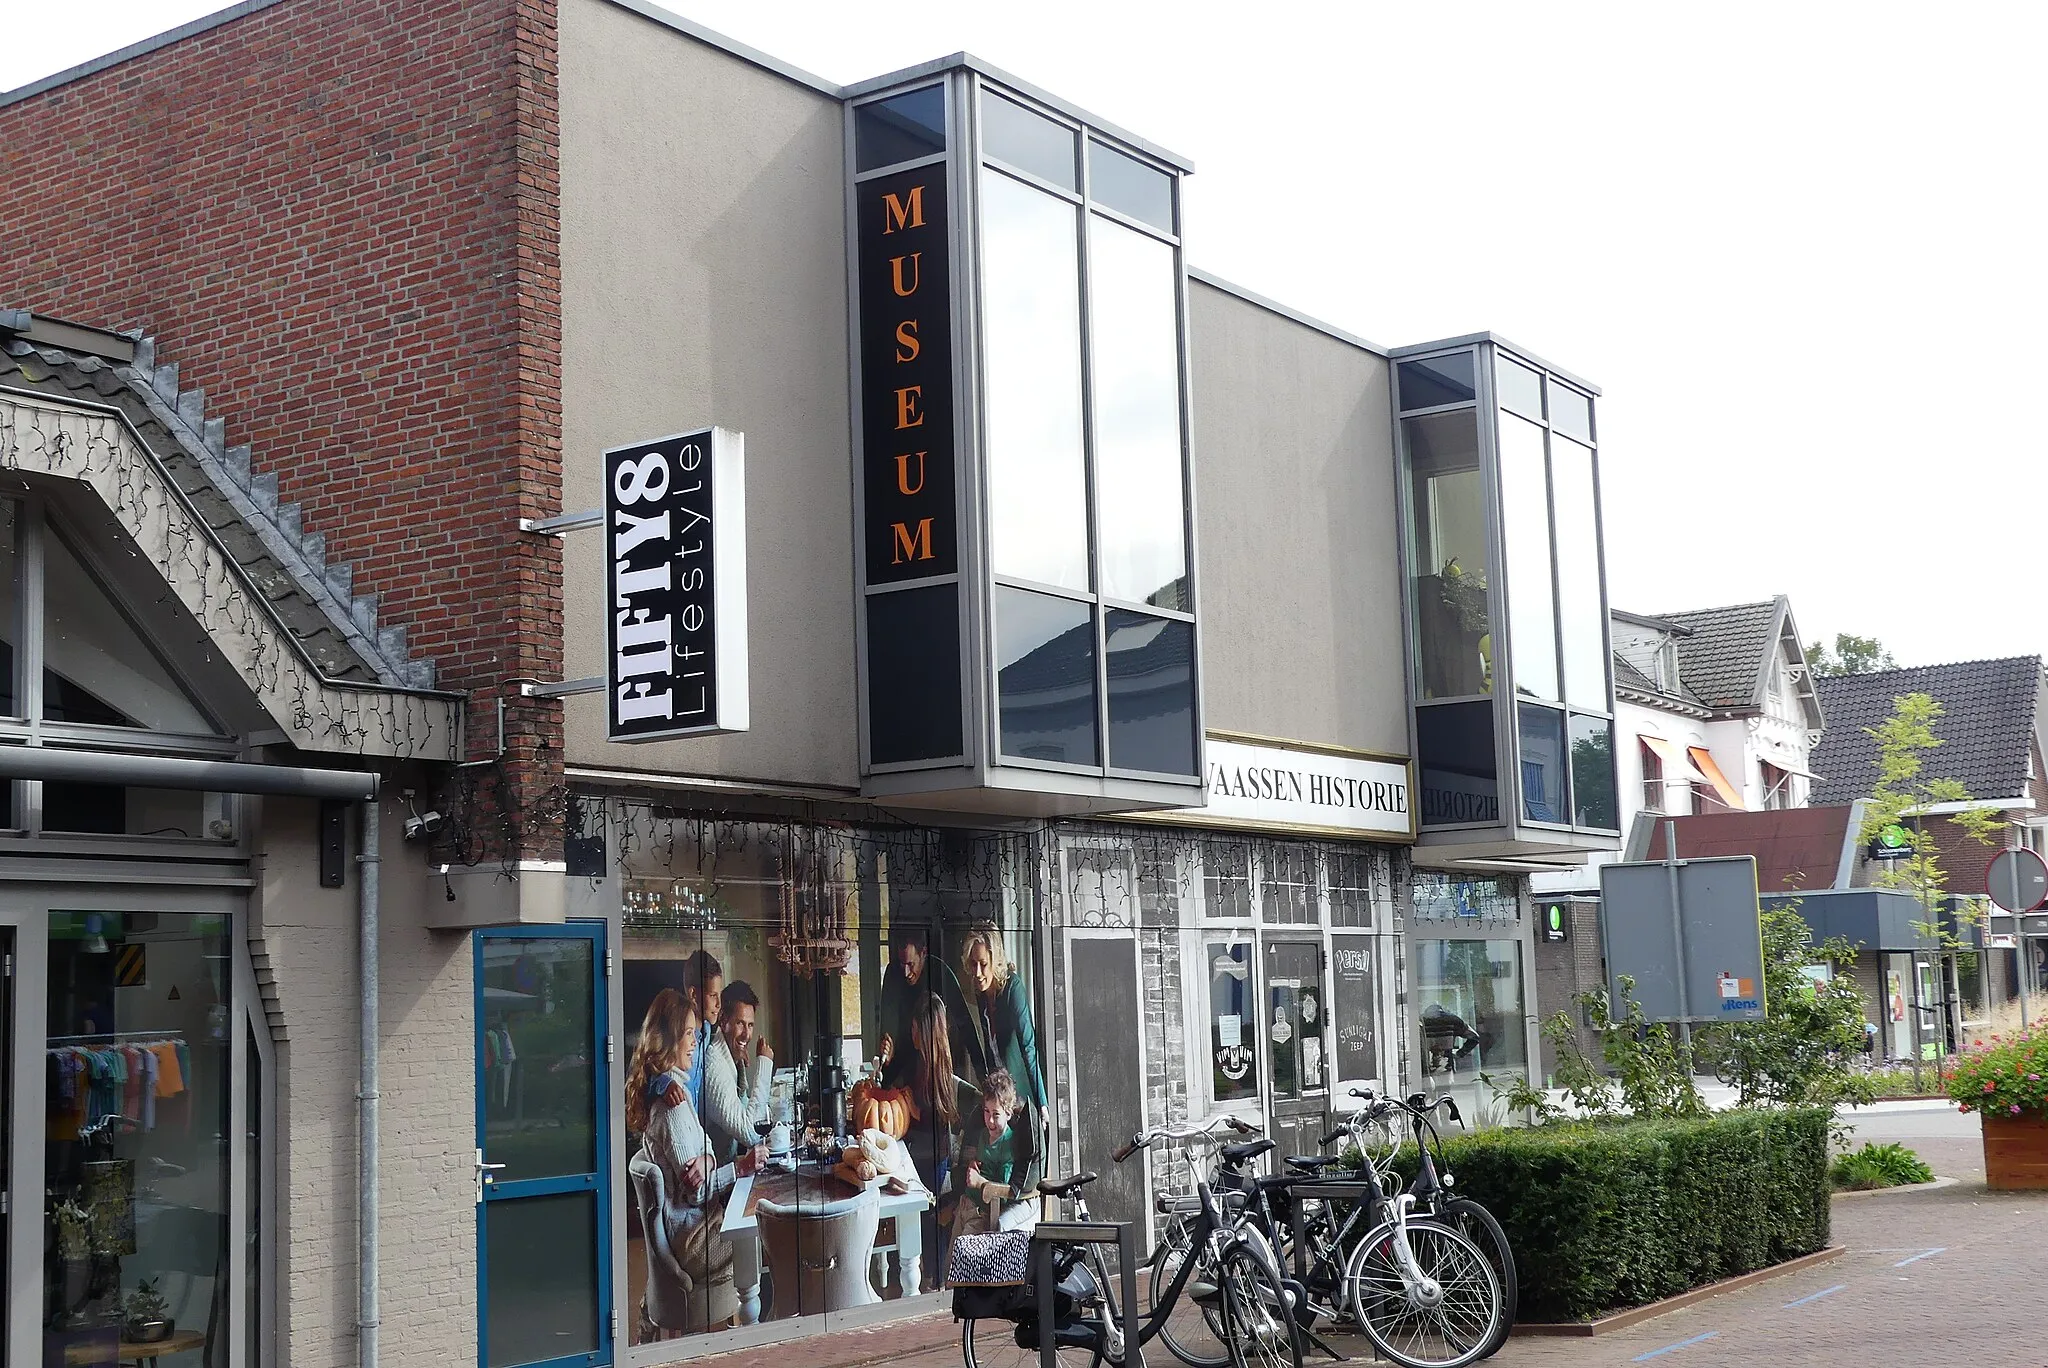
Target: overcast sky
1794,244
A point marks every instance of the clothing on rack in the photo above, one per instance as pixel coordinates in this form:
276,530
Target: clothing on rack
87,1082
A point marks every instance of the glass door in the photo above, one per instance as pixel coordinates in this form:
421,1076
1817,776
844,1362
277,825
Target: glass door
542,1117
1295,1024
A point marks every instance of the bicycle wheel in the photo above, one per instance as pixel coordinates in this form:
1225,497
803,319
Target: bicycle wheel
1194,1332
1013,1344
1446,1320
1259,1327
1478,1225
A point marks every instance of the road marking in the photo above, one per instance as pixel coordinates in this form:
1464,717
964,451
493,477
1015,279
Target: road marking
1924,1254
1825,1292
1655,1353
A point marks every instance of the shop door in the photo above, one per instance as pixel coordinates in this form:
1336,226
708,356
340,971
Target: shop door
1296,1027
1106,1039
542,1181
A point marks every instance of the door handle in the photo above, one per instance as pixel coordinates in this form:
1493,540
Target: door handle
483,1174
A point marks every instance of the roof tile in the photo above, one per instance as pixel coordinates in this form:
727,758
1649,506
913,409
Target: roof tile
1986,727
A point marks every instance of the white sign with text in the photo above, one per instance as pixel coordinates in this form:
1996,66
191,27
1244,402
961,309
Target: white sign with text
1282,789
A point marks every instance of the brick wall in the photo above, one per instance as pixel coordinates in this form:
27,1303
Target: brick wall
340,218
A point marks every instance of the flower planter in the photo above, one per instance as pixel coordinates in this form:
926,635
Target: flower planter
2016,1152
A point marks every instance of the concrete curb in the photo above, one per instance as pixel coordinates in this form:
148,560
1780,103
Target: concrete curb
1636,1315
1903,1187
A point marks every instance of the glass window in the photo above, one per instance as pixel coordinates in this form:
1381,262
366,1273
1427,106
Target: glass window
1571,412
1350,878
10,610
1045,674
1226,880
1581,604
136,1171
96,667
1441,897
1519,389
112,810
1453,639
1287,884
1593,795
1031,307
1233,1025
1525,521
1151,692
1543,781
914,674
899,129
1354,990
1460,776
1130,187
1438,380
1134,345
1027,140
1469,996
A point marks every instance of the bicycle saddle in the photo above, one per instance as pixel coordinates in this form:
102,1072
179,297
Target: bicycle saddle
1250,1149
1060,1187
1313,1163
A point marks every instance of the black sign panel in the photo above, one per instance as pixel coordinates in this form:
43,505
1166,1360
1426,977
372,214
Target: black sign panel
661,622
906,368
1352,985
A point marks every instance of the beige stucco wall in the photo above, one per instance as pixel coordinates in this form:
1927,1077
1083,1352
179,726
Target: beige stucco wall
704,281
1295,503
303,938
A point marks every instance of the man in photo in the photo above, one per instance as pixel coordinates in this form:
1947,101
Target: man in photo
703,986
737,1071
914,975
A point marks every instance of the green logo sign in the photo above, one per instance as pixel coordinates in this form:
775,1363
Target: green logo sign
1554,928
1893,842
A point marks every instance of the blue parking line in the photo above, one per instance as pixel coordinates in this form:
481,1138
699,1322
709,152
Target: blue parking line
1814,1297
1927,1254
1656,1353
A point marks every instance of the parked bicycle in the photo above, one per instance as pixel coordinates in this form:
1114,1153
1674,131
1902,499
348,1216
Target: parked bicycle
1244,1292
1405,1269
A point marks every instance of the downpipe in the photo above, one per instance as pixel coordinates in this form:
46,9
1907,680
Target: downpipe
366,1090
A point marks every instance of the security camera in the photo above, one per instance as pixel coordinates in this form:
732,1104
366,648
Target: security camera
422,824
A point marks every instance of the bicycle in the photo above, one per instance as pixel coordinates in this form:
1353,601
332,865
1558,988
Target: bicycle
1248,1295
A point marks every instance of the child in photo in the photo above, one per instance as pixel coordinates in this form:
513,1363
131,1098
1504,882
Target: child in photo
996,1192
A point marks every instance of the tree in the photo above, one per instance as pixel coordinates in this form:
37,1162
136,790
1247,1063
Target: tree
1799,1053
1853,655
1903,793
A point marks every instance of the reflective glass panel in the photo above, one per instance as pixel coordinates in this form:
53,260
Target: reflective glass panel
1134,343
538,1024
914,674
1129,186
10,609
540,1279
1453,638
899,129
1593,793
1543,779
1151,692
1438,380
136,1165
1233,1063
1469,996
1525,522
111,810
1045,676
1571,412
1031,308
96,667
1026,140
1460,776
1517,388
1581,603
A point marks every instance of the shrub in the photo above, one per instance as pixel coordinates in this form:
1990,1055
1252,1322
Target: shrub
1879,1166
2003,1076
1603,1216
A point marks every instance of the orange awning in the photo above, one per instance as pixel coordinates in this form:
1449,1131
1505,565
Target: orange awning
1676,764
1704,759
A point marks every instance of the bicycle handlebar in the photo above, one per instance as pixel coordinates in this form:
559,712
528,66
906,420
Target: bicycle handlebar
1180,1135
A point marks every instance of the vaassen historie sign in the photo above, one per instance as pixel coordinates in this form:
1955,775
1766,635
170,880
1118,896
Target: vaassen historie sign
1275,788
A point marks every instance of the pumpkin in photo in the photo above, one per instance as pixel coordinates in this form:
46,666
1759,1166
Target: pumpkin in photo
884,1109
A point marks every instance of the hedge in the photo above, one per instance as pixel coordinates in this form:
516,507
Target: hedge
1605,1216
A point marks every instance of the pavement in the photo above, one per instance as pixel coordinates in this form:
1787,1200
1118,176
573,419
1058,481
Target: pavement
1931,1277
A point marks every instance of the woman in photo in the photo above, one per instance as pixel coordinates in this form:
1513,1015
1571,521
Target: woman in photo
939,1099
693,1183
1000,1014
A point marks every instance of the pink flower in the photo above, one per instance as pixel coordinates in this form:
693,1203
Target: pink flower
1990,1087
2015,1109
2033,1078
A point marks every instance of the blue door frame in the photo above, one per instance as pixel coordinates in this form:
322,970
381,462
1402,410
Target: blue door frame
597,1182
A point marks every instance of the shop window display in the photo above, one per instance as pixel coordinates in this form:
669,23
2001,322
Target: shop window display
1469,996
831,1063
135,1222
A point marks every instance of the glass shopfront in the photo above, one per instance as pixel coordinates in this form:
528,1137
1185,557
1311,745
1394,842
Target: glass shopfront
830,1061
1469,1012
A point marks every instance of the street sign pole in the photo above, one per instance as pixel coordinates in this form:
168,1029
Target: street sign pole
1677,935
2019,921
2017,880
